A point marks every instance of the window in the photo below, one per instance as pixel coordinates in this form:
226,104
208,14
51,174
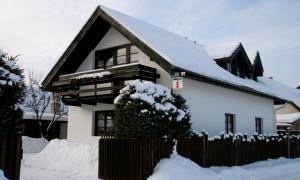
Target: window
134,54
104,58
103,122
228,67
229,123
258,125
121,56
116,56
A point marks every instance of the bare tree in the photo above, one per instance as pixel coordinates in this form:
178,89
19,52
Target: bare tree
58,110
37,100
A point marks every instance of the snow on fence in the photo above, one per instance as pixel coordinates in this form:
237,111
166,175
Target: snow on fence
136,158
11,154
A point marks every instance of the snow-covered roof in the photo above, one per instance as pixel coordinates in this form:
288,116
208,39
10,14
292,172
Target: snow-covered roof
222,50
287,118
186,54
46,116
179,52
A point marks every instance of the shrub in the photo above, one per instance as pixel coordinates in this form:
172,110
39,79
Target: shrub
145,108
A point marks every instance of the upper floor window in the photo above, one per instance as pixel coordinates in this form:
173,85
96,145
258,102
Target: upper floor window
116,56
258,125
228,67
229,123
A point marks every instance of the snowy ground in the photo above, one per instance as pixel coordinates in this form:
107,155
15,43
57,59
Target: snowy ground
65,160
178,168
59,160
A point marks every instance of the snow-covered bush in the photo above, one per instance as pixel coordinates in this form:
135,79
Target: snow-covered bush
12,92
145,108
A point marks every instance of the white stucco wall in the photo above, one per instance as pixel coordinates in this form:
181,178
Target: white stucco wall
209,103
81,122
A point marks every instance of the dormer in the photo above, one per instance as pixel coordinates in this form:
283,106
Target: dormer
232,57
258,69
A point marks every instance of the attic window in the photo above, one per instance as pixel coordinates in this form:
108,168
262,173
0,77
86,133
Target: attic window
116,56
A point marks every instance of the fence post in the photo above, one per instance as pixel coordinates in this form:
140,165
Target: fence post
204,140
289,142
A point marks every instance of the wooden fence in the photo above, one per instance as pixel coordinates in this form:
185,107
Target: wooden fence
136,158
11,154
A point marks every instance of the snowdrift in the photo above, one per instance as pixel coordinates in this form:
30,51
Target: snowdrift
33,145
63,155
178,168
2,177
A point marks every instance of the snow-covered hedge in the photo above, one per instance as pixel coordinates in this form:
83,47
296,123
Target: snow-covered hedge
145,108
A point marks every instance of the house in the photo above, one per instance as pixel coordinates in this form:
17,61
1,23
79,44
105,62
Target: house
288,116
113,48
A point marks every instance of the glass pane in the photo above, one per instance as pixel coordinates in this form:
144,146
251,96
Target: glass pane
100,131
121,52
100,123
121,59
109,124
100,116
109,62
100,64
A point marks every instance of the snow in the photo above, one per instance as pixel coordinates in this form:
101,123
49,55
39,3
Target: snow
222,50
33,145
177,168
45,116
67,157
287,118
93,75
149,92
2,177
183,53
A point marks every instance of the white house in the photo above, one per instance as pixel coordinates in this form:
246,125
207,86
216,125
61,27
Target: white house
125,48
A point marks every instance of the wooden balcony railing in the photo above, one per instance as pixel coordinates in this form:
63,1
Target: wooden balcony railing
77,91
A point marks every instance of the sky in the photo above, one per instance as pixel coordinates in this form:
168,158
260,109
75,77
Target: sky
39,31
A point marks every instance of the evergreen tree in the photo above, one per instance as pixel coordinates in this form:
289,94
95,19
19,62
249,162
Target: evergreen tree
144,109
12,92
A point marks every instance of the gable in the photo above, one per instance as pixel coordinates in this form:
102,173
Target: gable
258,69
112,38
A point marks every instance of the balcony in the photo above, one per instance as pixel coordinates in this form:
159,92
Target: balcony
100,86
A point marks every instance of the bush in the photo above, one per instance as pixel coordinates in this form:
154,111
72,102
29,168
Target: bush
12,92
144,109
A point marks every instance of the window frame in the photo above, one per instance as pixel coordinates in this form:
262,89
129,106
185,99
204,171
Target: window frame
115,56
232,118
106,113
259,125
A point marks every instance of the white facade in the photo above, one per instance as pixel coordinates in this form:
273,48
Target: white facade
208,103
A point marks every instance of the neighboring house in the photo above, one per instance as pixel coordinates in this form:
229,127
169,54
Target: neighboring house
31,125
113,49
288,115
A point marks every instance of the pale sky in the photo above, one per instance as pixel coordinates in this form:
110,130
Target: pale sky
41,30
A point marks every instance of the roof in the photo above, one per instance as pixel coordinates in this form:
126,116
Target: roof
45,117
222,50
287,118
171,51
